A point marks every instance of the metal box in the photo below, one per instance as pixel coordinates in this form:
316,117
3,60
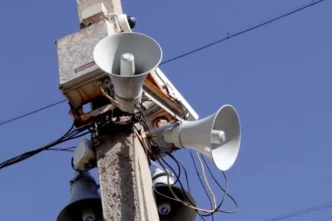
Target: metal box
78,72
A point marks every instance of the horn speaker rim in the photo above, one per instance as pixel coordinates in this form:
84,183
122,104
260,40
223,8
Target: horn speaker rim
156,46
233,152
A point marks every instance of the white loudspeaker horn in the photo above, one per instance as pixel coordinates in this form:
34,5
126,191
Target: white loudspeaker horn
217,136
127,58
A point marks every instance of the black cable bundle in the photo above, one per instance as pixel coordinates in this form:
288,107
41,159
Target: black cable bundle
69,135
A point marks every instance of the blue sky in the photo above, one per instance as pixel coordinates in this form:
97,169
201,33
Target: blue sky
278,78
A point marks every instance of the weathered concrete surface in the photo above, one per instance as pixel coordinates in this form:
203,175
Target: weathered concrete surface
112,6
125,180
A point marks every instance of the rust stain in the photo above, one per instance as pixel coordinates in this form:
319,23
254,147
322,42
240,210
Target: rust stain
88,94
83,67
151,80
76,115
149,85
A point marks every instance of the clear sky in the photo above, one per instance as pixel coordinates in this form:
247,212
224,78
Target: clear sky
278,78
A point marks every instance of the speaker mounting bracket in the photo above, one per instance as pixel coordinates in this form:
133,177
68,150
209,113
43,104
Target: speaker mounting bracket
79,77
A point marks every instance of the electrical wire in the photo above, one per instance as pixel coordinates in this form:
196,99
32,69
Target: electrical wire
301,212
211,213
187,53
69,135
277,218
198,209
179,164
184,169
178,175
243,32
31,153
200,180
141,118
207,182
180,183
32,112
224,190
176,198
68,149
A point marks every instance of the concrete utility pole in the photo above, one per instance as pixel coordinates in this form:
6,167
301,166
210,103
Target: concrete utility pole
125,178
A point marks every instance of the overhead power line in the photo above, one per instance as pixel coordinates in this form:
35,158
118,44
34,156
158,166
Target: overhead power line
244,31
187,53
32,112
301,212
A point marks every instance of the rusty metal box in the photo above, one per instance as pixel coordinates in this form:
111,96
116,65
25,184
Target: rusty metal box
78,74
